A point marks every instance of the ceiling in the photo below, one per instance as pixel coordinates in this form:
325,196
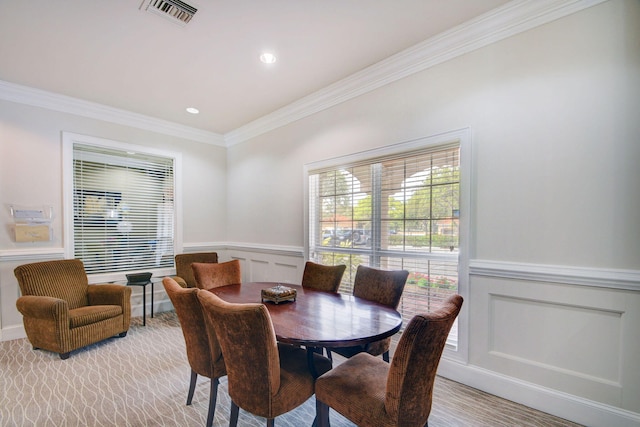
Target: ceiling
116,53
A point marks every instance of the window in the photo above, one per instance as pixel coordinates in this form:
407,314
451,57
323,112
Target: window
122,206
397,208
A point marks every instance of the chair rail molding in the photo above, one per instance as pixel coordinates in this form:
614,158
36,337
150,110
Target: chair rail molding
290,251
32,254
572,275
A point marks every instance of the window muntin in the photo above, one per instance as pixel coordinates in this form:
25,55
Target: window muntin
401,211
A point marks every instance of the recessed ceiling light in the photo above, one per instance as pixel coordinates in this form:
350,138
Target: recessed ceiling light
192,110
268,58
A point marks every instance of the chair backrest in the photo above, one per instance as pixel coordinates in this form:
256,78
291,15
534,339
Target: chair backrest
203,349
64,279
382,286
322,277
209,276
413,368
248,342
184,261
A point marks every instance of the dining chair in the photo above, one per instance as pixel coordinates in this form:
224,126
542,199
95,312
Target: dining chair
322,277
264,378
371,392
209,276
381,286
184,273
203,349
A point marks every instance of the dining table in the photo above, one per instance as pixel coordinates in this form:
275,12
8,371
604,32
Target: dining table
318,319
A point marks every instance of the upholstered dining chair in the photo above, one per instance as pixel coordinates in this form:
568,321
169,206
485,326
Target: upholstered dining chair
62,312
384,287
322,277
209,276
203,350
184,273
371,392
265,378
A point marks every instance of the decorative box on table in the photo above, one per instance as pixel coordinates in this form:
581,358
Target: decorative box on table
278,294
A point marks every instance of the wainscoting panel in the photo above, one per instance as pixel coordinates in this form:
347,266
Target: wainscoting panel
563,340
574,339
257,268
268,264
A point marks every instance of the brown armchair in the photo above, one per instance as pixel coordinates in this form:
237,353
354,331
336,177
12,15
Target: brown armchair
209,276
384,287
371,392
265,378
62,312
322,277
184,273
203,350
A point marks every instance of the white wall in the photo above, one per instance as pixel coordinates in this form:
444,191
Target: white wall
554,292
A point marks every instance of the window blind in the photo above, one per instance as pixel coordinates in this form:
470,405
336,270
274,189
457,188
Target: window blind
123,209
395,212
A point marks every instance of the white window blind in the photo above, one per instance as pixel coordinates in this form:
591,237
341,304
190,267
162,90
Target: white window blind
123,209
394,212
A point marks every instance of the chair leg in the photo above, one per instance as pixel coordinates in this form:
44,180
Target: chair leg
322,414
233,419
271,422
122,334
385,356
65,356
213,398
192,386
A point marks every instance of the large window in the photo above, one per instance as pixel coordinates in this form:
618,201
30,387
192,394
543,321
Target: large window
122,207
392,210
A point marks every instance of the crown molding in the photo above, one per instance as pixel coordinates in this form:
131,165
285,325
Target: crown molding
513,18
66,104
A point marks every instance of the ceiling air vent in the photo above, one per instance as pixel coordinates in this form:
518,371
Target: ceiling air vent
174,10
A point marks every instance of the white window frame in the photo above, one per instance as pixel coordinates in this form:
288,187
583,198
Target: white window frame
68,141
463,138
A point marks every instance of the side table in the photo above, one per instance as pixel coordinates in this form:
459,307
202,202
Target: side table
144,297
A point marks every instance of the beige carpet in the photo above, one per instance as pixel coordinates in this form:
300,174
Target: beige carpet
142,380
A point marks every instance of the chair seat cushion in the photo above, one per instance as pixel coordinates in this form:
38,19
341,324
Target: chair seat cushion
86,315
363,378
375,348
296,382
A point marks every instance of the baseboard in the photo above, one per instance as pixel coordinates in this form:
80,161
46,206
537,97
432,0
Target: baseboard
563,405
12,333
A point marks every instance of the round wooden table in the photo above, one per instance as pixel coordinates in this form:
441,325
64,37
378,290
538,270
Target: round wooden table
318,319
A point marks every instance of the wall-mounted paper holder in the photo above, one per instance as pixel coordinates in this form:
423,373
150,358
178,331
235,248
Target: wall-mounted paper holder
32,224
